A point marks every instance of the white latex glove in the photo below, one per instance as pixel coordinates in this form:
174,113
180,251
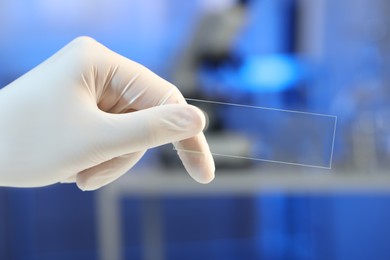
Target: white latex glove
87,115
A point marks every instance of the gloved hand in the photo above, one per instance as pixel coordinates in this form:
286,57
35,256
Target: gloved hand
87,115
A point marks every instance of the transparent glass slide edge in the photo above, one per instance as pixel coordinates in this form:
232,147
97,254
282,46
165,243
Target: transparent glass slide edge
245,132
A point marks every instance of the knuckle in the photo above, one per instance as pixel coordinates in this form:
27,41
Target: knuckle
85,41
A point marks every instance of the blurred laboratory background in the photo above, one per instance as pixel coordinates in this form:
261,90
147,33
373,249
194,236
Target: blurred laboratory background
326,57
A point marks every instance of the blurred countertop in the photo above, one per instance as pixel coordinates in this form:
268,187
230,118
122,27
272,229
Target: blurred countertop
159,181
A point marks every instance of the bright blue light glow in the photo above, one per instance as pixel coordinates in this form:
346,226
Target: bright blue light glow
270,73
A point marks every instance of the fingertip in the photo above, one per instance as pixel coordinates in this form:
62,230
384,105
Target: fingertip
95,178
204,175
199,119
205,178
204,171
87,184
200,166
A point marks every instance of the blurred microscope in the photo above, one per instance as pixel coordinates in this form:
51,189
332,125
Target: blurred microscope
210,49
212,68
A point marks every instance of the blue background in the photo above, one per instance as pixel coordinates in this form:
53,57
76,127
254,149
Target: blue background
346,76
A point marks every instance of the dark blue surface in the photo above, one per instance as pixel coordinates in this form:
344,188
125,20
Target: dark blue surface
47,223
59,223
